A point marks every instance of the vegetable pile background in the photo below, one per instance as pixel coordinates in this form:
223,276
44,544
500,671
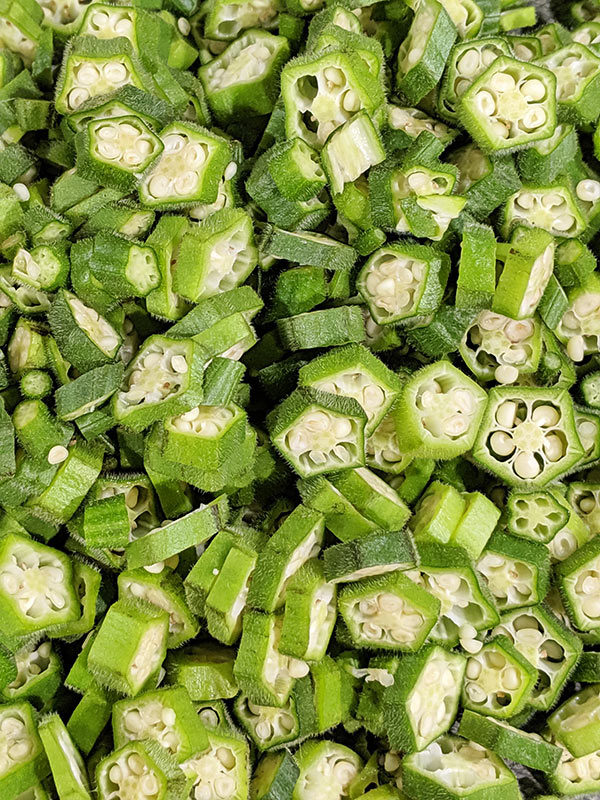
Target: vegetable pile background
299,400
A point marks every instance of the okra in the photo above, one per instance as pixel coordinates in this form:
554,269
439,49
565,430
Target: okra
205,671
67,766
143,768
222,769
516,571
24,761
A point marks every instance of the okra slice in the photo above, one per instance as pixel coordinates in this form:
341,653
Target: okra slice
516,571
39,675
275,776
20,29
89,718
438,513
188,171
36,587
585,499
383,449
527,269
511,105
577,578
322,92
552,208
476,525
352,371
578,329
439,411
207,435
575,722
570,537
166,716
500,348
388,612
326,769
226,600
372,497
404,124
87,392
467,608
538,516
23,760
205,671
141,631
122,268
27,347
454,767
351,150
547,644
574,775
222,770
528,435
318,432
267,726
546,160
25,298
422,703
298,538
85,338
499,680
508,742
327,327
307,248
67,766
577,71
164,590
244,78
341,517
164,378
310,613
144,769
93,67
297,172
44,267
225,20
402,281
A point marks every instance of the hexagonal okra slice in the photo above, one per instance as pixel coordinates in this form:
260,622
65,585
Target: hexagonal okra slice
402,281
453,767
166,716
574,775
500,348
36,587
388,612
439,411
528,435
190,166
39,674
404,124
422,703
585,499
267,726
547,644
321,93
67,766
142,770
577,72
512,104
326,770
206,435
517,571
375,554
579,328
164,378
498,680
94,67
552,208
466,62
107,22
353,371
43,267
447,573
528,265
509,742
576,722
225,20
579,584
318,432
221,771
22,758
275,773
84,337
538,516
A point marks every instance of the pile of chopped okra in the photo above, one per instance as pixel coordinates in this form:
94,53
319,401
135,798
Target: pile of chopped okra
299,400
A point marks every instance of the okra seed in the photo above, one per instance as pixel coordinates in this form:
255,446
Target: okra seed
476,693
510,678
576,348
588,190
564,222
591,606
57,454
546,416
502,443
468,63
506,374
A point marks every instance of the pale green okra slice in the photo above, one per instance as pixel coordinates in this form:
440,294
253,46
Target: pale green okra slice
404,124
206,672
576,722
327,769
144,769
123,268
577,71
578,579
552,208
372,497
438,513
275,776
375,554
585,499
39,676
267,726
44,267
579,328
351,150
226,601
226,19
87,392
222,770
527,269
574,775
383,449
68,769
207,435
23,761
538,516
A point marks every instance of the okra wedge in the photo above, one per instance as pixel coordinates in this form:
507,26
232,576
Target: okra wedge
68,769
585,499
577,71
350,151
220,770
404,124
553,208
322,765
44,267
24,762
574,775
143,768
269,727
39,674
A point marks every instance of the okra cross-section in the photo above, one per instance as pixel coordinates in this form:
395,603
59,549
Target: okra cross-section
552,208
221,771
579,584
528,435
512,104
579,328
576,723
388,612
268,726
577,71
326,770
22,759
140,769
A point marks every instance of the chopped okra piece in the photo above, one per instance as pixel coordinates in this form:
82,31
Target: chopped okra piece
205,671
577,580
267,726
528,435
122,268
516,571
226,600
87,392
538,516
327,769
575,722
275,776
498,680
166,716
527,269
23,761
39,675
368,556
438,513
574,775
351,150
208,435
296,170
577,71
388,612
142,769
547,644
67,766
552,208
486,180
383,449
585,499
547,159
310,613
372,497
220,772
578,329
44,267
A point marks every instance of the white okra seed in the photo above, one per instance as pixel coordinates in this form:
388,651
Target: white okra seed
57,454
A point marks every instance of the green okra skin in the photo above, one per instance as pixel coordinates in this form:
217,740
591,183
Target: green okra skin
19,774
275,776
373,554
204,670
139,765
90,717
324,328
67,766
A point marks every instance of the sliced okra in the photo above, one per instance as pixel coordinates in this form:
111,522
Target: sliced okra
439,411
578,576
67,766
126,101
166,716
547,644
44,267
476,280
298,538
124,269
372,497
324,698
383,449
220,771
570,537
275,776
404,124
206,435
577,71
511,105
189,168
267,726
585,499
164,378
552,208
525,274
106,523
574,775
87,392
516,571
86,582
307,248
454,767
345,521
206,672
578,329
423,700
325,767
20,29
244,78
547,159
225,20
26,347
575,722
226,601
36,384
321,92
466,606
216,256
500,348
388,612
39,675
476,525
89,718
144,769
296,170
399,282
318,432
438,513
213,310
326,327
23,761
164,590
40,433
499,680
25,298
351,150
508,742
538,516
142,632
528,435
